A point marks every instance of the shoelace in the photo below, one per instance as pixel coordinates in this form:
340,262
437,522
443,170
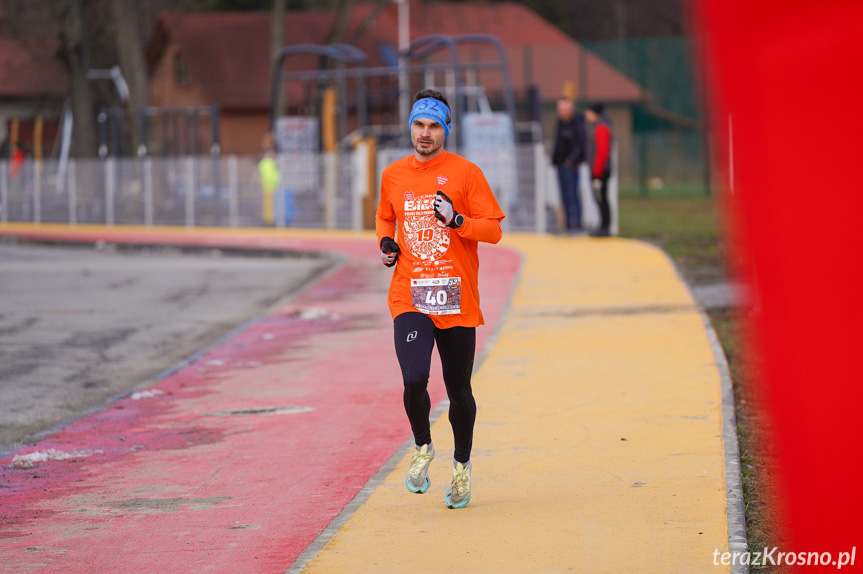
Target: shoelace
419,461
461,481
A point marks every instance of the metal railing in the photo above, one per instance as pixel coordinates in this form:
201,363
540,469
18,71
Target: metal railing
324,191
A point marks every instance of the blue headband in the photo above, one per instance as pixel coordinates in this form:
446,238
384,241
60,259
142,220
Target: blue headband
431,109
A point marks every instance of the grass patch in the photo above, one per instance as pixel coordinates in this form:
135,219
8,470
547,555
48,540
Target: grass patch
668,189
684,225
757,461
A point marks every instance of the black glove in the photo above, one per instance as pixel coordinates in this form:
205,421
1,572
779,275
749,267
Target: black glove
389,251
444,210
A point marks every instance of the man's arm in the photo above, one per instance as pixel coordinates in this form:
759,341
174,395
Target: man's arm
487,230
383,226
385,216
483,224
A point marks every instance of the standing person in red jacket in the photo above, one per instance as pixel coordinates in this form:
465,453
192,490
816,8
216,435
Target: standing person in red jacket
599,161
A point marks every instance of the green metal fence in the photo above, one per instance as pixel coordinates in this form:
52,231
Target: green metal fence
669,139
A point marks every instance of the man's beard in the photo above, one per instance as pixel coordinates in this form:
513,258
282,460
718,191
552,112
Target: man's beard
426,151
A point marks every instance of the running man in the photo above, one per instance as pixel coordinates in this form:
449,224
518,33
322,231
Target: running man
444,207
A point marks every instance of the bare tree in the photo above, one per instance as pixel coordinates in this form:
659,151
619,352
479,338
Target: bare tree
277,41
73,53
130,51
369,21
340,24
277,30
618,9
61,22
127,36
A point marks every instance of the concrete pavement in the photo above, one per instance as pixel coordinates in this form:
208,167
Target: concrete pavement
600,442
81,325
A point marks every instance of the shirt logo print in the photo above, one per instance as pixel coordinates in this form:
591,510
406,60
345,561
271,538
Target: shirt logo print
424,237
442,180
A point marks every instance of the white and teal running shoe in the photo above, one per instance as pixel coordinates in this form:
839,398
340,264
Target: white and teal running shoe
458,494
418,480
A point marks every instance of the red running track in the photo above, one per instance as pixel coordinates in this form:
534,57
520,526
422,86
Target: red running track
172,483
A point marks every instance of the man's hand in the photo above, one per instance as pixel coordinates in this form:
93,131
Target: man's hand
444,210
597,184
389,251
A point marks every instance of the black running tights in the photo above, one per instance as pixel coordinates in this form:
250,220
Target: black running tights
415,337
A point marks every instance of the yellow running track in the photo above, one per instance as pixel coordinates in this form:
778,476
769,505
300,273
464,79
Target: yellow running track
599,437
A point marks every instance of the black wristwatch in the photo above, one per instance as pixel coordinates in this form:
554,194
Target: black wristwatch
457,221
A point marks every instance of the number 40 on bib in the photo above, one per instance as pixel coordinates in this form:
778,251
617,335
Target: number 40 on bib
439,296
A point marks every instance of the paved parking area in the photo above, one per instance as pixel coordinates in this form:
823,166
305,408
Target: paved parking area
79,325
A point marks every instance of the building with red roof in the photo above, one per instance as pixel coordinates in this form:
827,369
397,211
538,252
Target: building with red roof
222,58
32,85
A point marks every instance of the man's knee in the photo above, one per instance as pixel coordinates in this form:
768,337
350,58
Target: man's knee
416,382
461,398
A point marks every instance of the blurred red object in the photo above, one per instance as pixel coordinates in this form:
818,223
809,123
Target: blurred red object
784,83
17,162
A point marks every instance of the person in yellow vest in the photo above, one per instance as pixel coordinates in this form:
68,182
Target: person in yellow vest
270,176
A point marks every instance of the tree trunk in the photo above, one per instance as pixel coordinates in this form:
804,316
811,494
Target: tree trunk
343,13
277,41
366,24
131,56
618,8
277,30
73,52
335,35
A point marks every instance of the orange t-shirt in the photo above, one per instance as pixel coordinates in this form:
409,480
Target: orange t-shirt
436,271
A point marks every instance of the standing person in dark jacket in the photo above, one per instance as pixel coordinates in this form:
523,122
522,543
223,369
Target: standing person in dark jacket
569,153
599,160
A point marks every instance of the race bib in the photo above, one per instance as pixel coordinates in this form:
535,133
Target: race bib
440,296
